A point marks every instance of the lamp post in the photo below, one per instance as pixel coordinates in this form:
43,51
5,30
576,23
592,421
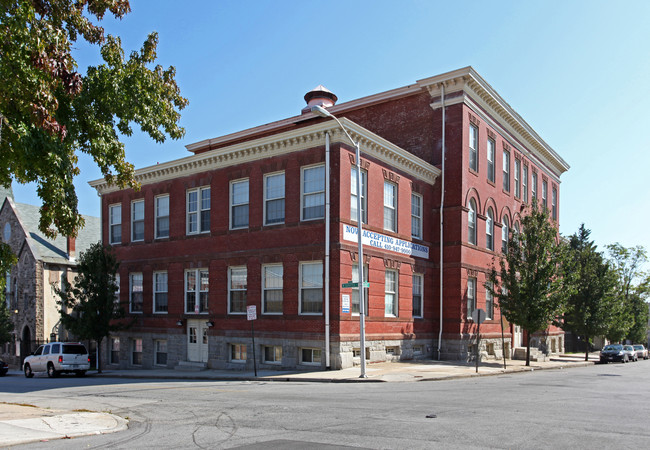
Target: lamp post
319,110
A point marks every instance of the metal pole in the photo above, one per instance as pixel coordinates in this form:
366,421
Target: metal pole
254,358
362,305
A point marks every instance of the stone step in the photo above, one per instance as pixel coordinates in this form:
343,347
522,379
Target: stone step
535,354
191,366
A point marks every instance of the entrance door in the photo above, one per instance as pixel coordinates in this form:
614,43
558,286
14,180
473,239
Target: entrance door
518,337
197,341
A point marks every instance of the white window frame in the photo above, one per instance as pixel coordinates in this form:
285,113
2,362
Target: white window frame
112,224
489,229
199,211
232,290
157,353
491,152
158,290
416,216
158,216
117,293
268,200
276,351
353,195
238,350
554,203
524,184
131,292
266,289
316,193
533,185
473,147
302,287
417,283
135,221
506,171
390,208
391,293
198,291
545,194
312,361
505,230
134,347
114,349
517,178
471,223
233,205
471,296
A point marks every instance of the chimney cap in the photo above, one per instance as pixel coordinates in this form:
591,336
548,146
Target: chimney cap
321,91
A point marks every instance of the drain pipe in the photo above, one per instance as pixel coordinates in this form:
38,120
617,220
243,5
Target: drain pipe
442,205
327,251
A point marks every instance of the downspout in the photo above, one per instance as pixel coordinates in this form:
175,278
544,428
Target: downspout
442,205
327,251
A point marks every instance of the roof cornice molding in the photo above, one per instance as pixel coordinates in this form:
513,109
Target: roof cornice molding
484,96
290,141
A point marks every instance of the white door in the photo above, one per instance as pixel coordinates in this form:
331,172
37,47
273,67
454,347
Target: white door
197,341
519,337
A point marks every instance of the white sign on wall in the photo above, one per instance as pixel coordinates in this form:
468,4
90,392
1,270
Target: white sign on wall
383,242
345,303
251,312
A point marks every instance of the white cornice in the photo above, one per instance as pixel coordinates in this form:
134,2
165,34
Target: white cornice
477,92
291,141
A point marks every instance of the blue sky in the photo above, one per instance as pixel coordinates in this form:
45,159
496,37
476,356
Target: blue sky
577,71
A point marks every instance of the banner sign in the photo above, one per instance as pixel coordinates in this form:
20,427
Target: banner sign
383,242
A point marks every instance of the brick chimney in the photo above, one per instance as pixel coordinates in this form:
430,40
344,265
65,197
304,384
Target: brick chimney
71,244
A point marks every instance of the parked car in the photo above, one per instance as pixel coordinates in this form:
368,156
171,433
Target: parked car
612,353
641,351
4,368
56,358
631,352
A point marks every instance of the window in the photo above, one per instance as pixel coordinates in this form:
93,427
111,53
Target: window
272,276
160,292
273,354
117,293
162,216
524,184
544,192
160,347
355,291
239,204
313,193
554,203
473,148
506,171
490,159
198,210
353,195
137,220
416,216
237,289
310,356
135,300
196,286
274,199
471,296
489,302
115,350
311,287
489,230
390,206
517,178
136,352
115,224
533,185
471,222
390,294
505,230
417,294
238,352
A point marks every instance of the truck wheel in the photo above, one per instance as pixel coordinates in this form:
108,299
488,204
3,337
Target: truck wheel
28,371
51,372
80,373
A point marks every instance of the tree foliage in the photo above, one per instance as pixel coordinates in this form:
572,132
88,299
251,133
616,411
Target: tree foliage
88,307
593,305
530,286
49,111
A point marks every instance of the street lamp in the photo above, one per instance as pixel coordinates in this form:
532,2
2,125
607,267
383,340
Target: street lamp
319,110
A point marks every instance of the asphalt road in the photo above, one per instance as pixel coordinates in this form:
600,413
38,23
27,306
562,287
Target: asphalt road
602,406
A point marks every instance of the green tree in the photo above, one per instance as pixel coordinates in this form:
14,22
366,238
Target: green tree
88,308
530,286
632,291
50,112
592,306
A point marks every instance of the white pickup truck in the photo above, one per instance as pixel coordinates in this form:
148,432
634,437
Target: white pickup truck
56,358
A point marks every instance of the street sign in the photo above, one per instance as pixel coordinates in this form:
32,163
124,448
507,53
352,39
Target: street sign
251,312
354,284
478,316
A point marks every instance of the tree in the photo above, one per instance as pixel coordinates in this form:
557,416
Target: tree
632,291
530,286
592,307
88,308
50,112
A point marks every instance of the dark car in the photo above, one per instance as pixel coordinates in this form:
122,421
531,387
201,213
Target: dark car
641,351
4,367
614,352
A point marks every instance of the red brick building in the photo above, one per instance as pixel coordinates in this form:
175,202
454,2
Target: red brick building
267,217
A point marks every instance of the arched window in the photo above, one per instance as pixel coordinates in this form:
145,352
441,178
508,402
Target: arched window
505,230
489,230
471,222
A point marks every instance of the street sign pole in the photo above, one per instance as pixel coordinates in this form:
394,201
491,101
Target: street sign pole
251,314
478,316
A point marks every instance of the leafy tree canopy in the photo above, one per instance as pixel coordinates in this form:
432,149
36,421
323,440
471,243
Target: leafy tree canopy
49,111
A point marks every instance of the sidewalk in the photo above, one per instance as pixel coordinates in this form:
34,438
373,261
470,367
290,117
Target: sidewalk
21,424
